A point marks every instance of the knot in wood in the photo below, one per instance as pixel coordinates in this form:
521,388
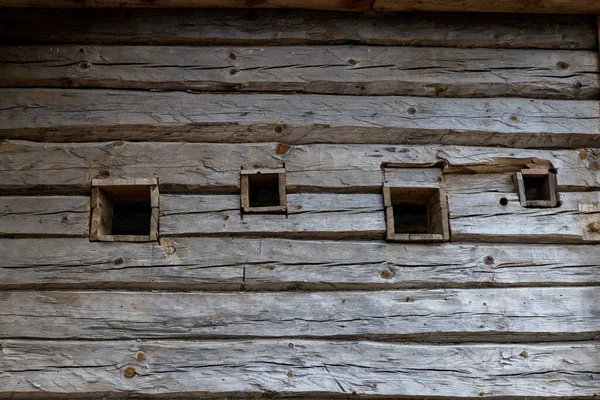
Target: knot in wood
140,356
129,372
595,227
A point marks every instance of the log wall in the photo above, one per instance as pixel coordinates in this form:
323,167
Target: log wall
314,302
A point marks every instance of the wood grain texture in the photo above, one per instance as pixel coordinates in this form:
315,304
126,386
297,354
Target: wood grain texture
309,215
193,167
342,5
283,264
79,263
476,217
357,70
101,115
513,314
302,367
508,6
43,216
284,27
481,216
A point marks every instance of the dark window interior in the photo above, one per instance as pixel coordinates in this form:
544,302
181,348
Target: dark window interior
131,216
264,190
411,218
537,187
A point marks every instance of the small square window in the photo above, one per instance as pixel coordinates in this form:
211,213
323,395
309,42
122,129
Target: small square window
416,214
536,187
124,210
263,191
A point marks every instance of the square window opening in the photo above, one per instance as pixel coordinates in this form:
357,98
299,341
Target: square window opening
263,190
131,217
411,218
124,210
418,214
537,187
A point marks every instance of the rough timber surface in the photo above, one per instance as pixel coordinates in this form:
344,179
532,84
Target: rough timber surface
477,217
510,314
304,367
309,215
193,167
282,264
195,27
32,216
99,115
347,70
481,217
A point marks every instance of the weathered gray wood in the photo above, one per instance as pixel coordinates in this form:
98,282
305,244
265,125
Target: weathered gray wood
309,215
275,264
79,263
478,217
482,217
268,366
362,70
100,115
511,6
31,216
268,27
189,167
513,314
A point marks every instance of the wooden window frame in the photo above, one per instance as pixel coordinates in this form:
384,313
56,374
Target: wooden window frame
245,191
101,208
519,180
426,182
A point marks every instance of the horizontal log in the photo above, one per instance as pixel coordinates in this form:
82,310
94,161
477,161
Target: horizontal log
484,217
44,216
342,5
280,264
284,27
40,369
509,6
79,263
309,215
28,167
511,314
404,71
476,217
101,115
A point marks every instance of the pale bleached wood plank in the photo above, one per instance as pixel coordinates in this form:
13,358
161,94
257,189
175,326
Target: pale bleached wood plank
35,216
192,167
309,215
403,71
477,217
508,6
99,115
79,263
512,314
279,264
299,366
295,27
482,217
